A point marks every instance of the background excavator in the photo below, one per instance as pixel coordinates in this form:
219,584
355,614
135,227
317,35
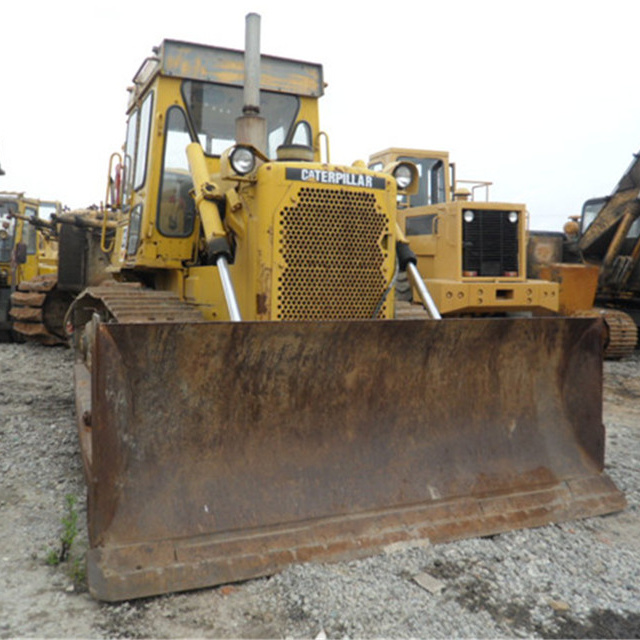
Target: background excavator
247,397
595,261
28,251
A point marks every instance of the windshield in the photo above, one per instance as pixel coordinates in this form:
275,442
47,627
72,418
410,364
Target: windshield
590,210
7,230
213,110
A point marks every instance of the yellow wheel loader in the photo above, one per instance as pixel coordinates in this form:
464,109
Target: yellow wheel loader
28,263
470,253
246,397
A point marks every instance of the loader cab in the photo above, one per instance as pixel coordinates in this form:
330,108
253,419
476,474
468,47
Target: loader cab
189,93
436,175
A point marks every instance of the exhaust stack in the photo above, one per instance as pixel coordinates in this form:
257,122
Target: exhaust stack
251,128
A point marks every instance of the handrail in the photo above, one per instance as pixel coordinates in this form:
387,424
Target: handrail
112,198
477,184
323,134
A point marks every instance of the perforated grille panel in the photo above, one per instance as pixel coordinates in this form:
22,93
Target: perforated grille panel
331,242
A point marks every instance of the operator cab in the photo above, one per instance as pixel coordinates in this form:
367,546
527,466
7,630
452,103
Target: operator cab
433,186
590,211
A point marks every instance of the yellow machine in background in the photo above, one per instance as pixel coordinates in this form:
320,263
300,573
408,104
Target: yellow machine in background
246,397
39,304
596,261
28,247
479,258
471,254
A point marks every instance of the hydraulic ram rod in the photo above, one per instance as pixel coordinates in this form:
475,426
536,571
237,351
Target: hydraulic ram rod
229,292
423,292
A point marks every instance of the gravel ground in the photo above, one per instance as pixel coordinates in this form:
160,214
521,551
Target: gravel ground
576,580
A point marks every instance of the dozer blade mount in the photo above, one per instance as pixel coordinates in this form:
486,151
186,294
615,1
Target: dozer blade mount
217,452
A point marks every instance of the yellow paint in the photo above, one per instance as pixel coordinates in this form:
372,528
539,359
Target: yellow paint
577,284
440,252
253,212
41,250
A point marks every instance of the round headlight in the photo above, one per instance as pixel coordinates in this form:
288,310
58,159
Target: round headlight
403,175
242,160
513,216
468,216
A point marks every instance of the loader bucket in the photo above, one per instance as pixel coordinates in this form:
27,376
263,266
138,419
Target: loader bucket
218,452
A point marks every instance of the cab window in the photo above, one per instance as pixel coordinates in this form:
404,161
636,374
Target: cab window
432,182
143,142
129,154
420,225
590,212
213,109
47,210
302,134
29,231
176,207
7,231
136,147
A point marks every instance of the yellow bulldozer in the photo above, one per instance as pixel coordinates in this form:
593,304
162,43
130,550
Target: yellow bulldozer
39,304
28,250
247,397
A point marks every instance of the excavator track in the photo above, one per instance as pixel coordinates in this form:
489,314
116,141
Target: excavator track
622,331
38,309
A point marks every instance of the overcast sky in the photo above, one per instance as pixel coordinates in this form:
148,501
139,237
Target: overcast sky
538,97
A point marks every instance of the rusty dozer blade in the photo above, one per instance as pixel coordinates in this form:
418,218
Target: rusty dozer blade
219,452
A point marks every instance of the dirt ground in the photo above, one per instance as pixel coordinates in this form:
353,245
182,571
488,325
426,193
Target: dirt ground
577,580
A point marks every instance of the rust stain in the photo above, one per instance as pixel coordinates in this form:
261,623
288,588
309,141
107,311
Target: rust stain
330,440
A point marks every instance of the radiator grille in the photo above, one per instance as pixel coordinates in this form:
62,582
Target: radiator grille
490,243
331,243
